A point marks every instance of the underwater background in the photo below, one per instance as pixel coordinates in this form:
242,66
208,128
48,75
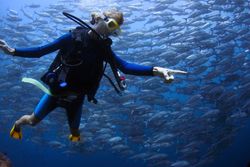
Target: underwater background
200,119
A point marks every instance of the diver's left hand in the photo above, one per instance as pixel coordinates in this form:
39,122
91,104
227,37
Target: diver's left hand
166,73
6,48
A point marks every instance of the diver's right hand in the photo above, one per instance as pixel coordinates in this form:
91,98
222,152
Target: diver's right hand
166,73
6,48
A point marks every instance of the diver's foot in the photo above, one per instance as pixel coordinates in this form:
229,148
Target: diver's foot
16,133
74,138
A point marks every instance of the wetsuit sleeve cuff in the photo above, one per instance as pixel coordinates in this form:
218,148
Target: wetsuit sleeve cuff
14,52
152,71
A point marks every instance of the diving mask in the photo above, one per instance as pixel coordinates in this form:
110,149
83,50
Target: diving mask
112,25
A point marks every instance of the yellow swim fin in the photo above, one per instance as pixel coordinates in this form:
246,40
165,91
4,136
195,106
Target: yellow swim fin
16,133
74,138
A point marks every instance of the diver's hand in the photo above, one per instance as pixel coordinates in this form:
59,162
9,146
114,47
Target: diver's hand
166,73
6,48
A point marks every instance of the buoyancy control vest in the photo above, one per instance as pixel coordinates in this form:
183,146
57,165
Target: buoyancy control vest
66,73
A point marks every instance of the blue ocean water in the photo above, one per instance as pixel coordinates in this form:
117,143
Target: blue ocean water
199,120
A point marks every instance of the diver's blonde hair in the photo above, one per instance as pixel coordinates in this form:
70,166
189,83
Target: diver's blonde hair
115,14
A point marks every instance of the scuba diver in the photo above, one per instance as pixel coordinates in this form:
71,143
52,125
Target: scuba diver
78,68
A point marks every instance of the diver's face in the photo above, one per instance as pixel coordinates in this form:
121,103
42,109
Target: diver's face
105,26
101,27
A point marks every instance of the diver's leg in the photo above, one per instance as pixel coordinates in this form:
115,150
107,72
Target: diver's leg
44,107
27,119
74,118
74,112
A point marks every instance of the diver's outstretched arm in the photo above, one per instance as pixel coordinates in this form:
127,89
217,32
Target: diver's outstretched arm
36,52
136,69
132,68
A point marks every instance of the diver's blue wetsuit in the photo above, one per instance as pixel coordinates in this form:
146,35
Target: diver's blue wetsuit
82,77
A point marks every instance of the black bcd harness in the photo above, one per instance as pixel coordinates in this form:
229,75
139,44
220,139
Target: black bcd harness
55,78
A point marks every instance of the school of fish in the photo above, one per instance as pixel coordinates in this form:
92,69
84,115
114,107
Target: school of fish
185,123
